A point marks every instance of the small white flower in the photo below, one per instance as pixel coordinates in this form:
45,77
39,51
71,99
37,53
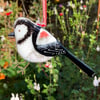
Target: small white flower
87,2
1,9
7,3
81,1
21,97
36,86
95,82
81,7
50,66
67,10
96,20
17,98
2,38
98,48
73,5
70,4
14,97
55,10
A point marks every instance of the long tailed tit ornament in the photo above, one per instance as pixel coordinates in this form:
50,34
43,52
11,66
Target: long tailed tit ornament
35,44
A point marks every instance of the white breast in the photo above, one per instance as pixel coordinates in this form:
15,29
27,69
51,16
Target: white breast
27,52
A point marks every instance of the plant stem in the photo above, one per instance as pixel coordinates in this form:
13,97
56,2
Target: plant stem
24,8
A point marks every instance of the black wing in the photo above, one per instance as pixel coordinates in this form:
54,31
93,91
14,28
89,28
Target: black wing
51,49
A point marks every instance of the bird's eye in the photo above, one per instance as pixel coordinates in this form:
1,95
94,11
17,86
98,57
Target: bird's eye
19,30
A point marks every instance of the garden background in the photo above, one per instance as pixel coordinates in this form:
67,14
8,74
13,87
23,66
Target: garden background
76,25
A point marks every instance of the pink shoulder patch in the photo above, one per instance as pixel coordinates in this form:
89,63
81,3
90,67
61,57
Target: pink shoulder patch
43,34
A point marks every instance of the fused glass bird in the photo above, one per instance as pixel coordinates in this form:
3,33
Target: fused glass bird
36,44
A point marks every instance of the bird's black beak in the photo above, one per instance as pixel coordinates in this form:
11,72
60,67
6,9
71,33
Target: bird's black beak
12,34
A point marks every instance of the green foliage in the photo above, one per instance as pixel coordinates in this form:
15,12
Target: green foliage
75,28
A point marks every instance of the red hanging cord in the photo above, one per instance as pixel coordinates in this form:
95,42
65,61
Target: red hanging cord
44,7
98,15
44,3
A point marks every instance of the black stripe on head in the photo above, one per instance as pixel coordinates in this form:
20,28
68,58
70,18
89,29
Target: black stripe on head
31,28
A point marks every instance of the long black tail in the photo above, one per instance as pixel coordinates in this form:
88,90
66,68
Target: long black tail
80,64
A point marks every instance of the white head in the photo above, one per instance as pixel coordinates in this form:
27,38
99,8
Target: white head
23,28
20,31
